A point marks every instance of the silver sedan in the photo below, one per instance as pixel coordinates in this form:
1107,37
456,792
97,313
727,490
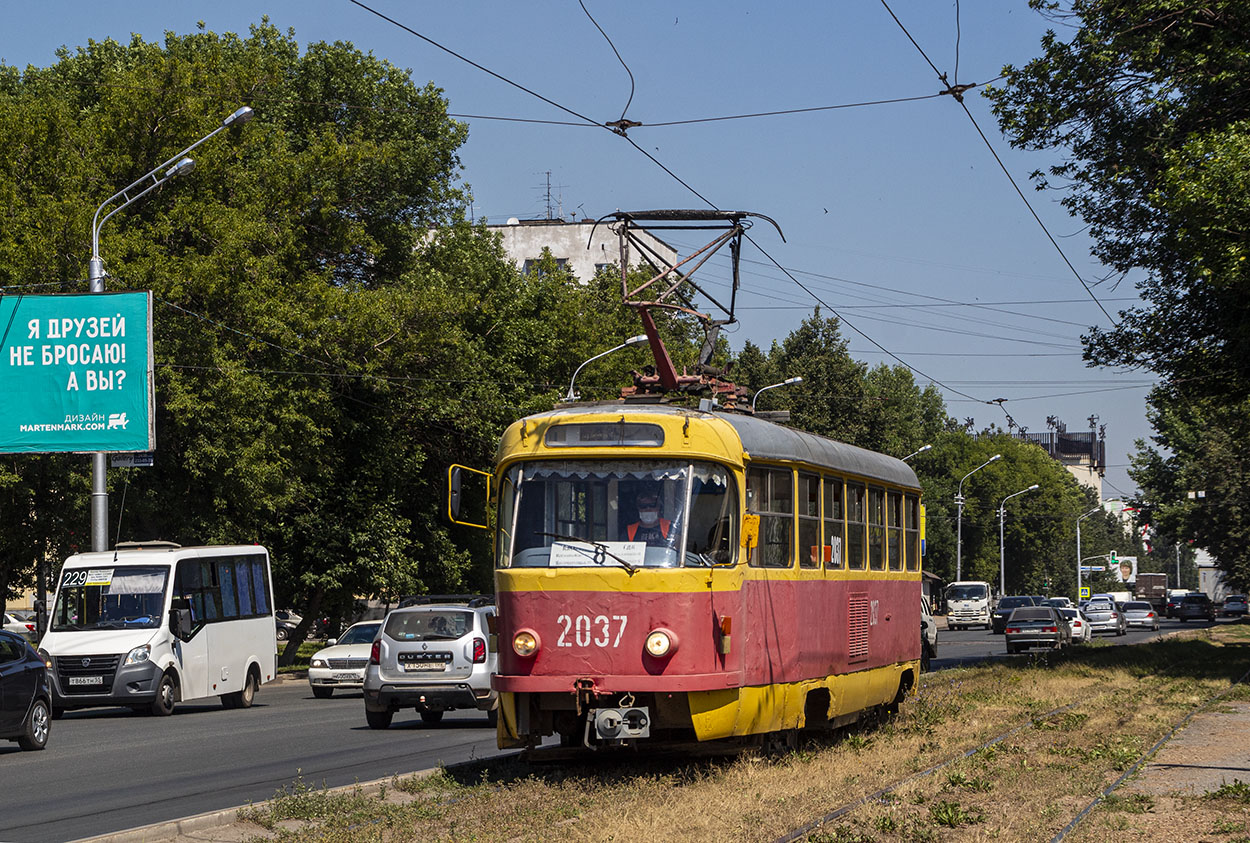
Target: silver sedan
1140,613
1105,617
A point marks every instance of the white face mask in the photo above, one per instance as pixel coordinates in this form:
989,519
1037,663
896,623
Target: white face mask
649,517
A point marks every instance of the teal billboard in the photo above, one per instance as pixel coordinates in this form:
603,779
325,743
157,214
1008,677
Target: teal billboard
76,373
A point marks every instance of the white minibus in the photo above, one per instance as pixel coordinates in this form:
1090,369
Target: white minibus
149,625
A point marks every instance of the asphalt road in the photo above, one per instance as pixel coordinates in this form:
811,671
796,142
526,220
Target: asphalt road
973,645
110,769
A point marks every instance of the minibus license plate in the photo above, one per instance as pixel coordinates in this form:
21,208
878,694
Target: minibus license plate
86,680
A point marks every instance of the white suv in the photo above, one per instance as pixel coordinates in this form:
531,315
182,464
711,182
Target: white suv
433,658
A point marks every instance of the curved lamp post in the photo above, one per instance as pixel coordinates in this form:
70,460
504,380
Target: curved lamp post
572,396
1079,560
1002,552
177,165
959,524
786,382
921,450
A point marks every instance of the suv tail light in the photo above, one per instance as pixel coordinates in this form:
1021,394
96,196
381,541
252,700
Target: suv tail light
479,651
375,653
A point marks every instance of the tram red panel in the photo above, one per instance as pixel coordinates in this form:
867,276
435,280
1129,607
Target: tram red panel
802,629
601,635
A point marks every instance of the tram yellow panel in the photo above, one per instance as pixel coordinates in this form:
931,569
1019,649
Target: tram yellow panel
738,712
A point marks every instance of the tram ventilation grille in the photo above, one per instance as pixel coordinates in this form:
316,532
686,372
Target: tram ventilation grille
857,627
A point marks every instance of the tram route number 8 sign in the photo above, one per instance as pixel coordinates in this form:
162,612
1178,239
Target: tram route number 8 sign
76,373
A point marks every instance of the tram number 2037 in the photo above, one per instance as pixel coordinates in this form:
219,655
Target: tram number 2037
583,630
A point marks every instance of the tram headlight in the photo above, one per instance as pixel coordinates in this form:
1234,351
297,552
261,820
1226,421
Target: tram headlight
660,643
525,643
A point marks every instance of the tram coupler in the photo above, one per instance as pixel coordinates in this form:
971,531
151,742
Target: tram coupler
616,726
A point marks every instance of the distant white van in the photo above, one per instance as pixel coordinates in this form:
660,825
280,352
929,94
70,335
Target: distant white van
147,626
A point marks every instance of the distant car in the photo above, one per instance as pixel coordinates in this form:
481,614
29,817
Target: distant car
1105,617
1140,613
1234,606
433,658
284,629
1037,626
26,715
342,663
928,635
288,615
1058,603
1079,624
1195,606
998,619
24,628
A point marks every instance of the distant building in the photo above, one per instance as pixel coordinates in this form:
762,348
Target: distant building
573,245
1210,578
1083,454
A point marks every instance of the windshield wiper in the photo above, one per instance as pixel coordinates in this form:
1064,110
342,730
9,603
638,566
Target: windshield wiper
601,550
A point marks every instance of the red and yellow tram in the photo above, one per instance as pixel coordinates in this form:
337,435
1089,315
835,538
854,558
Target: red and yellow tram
669,574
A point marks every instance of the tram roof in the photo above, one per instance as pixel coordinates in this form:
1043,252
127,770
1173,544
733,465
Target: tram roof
765,440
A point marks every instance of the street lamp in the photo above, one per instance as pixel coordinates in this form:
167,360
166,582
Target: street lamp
1002,551
959,523
786,382
177,165
1078,542
922,449
572,396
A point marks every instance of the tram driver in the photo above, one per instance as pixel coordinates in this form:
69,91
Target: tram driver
651,527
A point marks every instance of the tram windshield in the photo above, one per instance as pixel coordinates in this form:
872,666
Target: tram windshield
617,513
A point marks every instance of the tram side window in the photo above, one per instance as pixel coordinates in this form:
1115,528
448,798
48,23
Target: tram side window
876,529
809,521
833,522
772,497
856,525
894,524
912,532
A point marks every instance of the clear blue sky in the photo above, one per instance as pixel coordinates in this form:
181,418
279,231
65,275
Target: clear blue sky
897,216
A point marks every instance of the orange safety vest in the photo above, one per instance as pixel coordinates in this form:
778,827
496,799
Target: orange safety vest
632,529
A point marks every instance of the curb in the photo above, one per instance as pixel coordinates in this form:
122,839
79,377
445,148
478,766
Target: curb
172,829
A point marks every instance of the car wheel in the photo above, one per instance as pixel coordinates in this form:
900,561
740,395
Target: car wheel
37,727
431,716
281,634
322,692
379,719
163,704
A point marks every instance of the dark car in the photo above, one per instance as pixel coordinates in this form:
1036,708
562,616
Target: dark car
25,698
1037,626
1195,607
998,619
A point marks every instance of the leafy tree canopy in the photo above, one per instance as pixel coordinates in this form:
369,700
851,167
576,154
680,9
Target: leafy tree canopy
1146,104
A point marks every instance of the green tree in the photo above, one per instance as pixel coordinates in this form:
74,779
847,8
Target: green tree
1145,102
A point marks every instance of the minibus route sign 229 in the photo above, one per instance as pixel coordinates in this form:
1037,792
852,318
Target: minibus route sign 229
76,373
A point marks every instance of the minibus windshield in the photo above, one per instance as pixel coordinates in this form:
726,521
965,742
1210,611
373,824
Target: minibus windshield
122,597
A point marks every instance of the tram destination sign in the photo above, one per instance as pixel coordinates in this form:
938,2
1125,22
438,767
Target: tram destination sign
76,373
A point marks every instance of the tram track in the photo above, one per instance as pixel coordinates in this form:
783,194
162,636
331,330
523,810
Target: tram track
880,795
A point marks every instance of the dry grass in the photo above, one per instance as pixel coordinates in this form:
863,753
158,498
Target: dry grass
1026,787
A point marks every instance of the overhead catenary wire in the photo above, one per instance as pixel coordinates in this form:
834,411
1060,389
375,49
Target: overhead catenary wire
957,94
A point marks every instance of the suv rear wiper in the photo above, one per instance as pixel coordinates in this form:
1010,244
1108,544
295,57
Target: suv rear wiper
601,550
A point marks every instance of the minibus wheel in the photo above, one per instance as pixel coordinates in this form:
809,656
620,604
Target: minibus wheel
166,691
